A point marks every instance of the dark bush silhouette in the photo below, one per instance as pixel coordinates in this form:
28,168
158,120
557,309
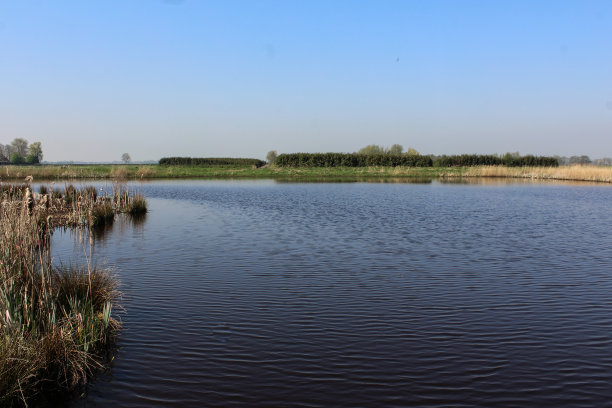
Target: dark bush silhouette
351,160
210,161
491,160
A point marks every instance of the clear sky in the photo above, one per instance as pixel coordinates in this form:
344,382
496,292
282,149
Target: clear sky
94,79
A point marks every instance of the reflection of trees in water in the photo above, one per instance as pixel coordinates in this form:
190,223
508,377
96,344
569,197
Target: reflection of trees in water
373,179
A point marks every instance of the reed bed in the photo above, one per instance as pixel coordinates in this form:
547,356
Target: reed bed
56,323
570,173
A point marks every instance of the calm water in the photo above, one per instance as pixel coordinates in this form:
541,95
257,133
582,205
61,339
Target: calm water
267,294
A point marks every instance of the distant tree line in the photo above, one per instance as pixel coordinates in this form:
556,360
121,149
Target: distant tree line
584,160
375,155
351,160
210,161
19,151
509,159
605,161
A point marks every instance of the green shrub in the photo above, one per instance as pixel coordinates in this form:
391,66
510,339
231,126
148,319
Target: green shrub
32,159
16,159
210,161
466,160
351,160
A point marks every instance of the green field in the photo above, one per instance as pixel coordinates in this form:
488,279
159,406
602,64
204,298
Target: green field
150,172
137,172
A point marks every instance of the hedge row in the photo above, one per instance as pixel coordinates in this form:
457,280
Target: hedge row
210,161
350,160
484,160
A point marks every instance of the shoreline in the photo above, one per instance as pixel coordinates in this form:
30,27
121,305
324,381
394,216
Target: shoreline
599,174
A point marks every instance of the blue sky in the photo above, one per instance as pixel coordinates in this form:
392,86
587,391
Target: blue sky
92,80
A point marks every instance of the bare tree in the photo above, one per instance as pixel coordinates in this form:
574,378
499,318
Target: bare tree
605,161
19,146
271,156
580,160
396,149
4,154
372,149
125,158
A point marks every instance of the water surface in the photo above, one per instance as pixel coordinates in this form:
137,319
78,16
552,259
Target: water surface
262,294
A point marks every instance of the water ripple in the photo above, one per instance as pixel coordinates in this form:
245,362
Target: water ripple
361,295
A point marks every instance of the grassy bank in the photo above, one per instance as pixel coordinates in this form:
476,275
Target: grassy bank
144,172
56,324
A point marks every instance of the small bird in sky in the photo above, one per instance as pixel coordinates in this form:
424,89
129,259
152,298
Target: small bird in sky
397,60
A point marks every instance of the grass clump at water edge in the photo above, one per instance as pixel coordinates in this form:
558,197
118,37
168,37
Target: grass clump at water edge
138,205
56,323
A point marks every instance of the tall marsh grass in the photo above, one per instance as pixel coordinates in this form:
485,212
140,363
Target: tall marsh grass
56,323
138,205
573,173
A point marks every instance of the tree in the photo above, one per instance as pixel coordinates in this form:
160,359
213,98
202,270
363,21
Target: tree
16,159
4,154
580,160
125,158
19,146
36,153
412,151
563,160
396,149
605,161
372,149
31,159
271,156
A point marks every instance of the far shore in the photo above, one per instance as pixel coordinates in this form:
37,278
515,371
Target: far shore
602,174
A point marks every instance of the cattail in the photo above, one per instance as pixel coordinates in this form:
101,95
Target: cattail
28,200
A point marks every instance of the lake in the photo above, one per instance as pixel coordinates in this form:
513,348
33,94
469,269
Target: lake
262,293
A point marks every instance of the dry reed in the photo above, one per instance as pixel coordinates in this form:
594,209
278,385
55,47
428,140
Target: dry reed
570,173
56,324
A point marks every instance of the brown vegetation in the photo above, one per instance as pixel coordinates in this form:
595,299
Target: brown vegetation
56,324
574,173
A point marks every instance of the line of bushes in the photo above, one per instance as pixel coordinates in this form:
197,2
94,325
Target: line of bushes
492,160
351,160
394,160
210,161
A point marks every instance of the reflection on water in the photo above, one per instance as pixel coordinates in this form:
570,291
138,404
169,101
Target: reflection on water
122,222
383,180
258,293
503,181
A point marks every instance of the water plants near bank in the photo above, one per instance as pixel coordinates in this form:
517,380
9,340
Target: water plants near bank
602,174
56,322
